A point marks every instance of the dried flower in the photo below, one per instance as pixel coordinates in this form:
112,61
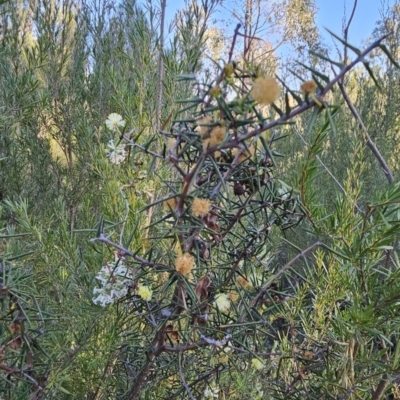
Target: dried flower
265,90
233,296
145,292
184,263
308,87
114,121
15,328
200,207
238,189
243,282
257,364
222,302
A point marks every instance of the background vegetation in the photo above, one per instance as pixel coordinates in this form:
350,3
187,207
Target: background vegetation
294,290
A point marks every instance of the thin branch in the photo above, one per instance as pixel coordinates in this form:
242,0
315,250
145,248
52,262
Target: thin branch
183,380
380,390
235,34
346,30
104,239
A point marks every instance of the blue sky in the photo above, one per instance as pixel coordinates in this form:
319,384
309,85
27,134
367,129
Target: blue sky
331,12
330,15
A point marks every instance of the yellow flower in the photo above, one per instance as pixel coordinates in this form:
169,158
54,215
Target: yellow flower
145,292
224,358
184,263
265,90
200,207
245,154
202,125
222,302
308,87
257,364
170,203
114,121
217,135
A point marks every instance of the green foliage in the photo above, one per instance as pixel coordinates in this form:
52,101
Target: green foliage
242,251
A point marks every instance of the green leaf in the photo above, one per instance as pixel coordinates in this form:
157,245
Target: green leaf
194,100
315,72
186,77
338,64
351,47
277,109
389,55
371,74
64,390
287,105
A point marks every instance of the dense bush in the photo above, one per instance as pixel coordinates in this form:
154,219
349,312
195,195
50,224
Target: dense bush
236,240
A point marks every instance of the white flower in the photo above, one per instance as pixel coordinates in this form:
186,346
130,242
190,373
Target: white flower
116,154
222,302
113,280
114,121
211,392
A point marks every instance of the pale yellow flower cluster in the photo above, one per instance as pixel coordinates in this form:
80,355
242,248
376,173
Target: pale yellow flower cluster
217,135
257,364
145,292
308,87
184,263
170,203
202,125
265,90
222,302
245,154
200,207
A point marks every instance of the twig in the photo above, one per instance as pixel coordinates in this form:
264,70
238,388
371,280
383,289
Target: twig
183,380
380,390
104,239
346,30
235,34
